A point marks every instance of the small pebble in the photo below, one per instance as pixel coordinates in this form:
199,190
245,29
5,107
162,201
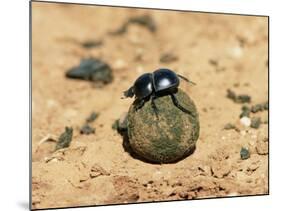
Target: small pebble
244,153
246,121
255,122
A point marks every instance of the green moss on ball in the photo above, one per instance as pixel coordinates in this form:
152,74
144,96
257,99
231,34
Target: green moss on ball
169,138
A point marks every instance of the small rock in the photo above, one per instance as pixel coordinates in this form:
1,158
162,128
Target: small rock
244,153
65,138
255,122
246,121
87,129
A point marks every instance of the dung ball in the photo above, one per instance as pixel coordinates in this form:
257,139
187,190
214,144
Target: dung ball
170,137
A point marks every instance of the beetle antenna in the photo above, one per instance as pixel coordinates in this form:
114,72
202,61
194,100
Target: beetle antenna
128,93
187,80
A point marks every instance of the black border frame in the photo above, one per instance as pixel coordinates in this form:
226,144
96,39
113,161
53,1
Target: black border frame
131,7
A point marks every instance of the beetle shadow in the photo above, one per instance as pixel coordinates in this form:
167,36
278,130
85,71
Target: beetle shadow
130,151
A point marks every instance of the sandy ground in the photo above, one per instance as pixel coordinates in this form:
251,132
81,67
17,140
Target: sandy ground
96,169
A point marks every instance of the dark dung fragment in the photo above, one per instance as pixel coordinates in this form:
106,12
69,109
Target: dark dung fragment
168,58
114,126
256,108
91,69
245,111
65,138
255,122
92,43
238,98
244,153
229,126
143,20
259,107
243,99
87,129
121,124
231,95
92,117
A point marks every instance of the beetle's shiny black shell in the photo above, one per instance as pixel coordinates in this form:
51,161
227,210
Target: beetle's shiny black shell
143,86
165,79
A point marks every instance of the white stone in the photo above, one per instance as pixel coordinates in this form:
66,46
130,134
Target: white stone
246,121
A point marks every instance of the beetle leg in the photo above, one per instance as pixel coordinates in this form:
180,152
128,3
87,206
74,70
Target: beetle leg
153,97
177,104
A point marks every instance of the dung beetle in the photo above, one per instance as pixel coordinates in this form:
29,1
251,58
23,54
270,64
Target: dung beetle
152,85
